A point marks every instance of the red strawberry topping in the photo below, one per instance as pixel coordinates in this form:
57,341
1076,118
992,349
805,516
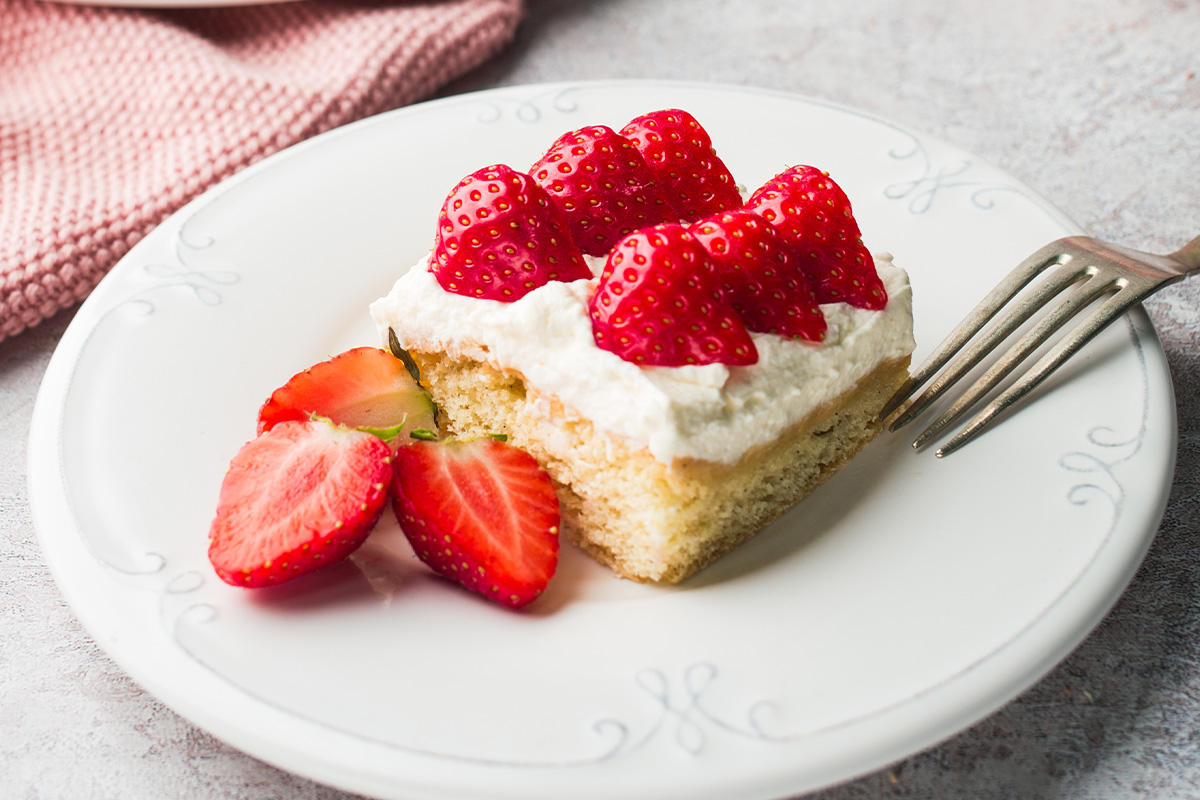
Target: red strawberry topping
603,186
298,497
500,237
814,214
681,156
659,303
480,512
760,276
364,387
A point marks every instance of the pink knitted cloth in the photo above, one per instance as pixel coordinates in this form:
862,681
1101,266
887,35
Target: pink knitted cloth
110,119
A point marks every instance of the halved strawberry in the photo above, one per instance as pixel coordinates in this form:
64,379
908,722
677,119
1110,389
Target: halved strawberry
364,387
300,496
481,512
500,236
659,303
603,186
814,214
760,277
680,154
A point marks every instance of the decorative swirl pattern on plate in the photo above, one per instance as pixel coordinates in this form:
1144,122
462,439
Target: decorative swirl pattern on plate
922,190
528,109
690,721
1111,452
203,284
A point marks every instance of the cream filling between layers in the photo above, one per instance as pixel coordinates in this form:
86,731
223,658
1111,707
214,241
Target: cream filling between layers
712,412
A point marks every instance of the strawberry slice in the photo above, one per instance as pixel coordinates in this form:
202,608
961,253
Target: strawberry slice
500,236
760,277
813,213
603,186
365,387
300,496
480,512
680,154
659,303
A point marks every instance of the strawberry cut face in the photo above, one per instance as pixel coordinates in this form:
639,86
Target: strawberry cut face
500,236
814,215
363,387
680,154
603,186
299,497
760,275
480,512
660,303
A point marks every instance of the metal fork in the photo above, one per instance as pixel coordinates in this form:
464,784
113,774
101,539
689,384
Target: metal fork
1092,270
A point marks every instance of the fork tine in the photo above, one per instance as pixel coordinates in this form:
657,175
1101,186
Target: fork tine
1083,333
1005,291
964,363
1088,292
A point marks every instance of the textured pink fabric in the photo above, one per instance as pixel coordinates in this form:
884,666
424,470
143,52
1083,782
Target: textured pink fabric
110,119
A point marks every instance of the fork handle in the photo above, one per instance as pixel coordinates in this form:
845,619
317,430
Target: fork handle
1189,255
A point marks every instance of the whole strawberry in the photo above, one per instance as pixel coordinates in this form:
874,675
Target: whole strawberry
363,387
301,496
480,512
760,276
814,215
680,154
603,186
659,303
500,236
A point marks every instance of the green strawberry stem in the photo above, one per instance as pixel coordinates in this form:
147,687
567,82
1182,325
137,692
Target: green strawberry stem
402,354
387,434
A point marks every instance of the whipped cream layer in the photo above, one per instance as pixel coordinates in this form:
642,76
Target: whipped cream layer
711,412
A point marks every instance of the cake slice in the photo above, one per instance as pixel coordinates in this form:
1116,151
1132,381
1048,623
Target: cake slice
680,400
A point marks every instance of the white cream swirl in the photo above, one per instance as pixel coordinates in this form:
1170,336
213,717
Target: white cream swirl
712,412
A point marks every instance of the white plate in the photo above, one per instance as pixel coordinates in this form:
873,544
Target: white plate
906,599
